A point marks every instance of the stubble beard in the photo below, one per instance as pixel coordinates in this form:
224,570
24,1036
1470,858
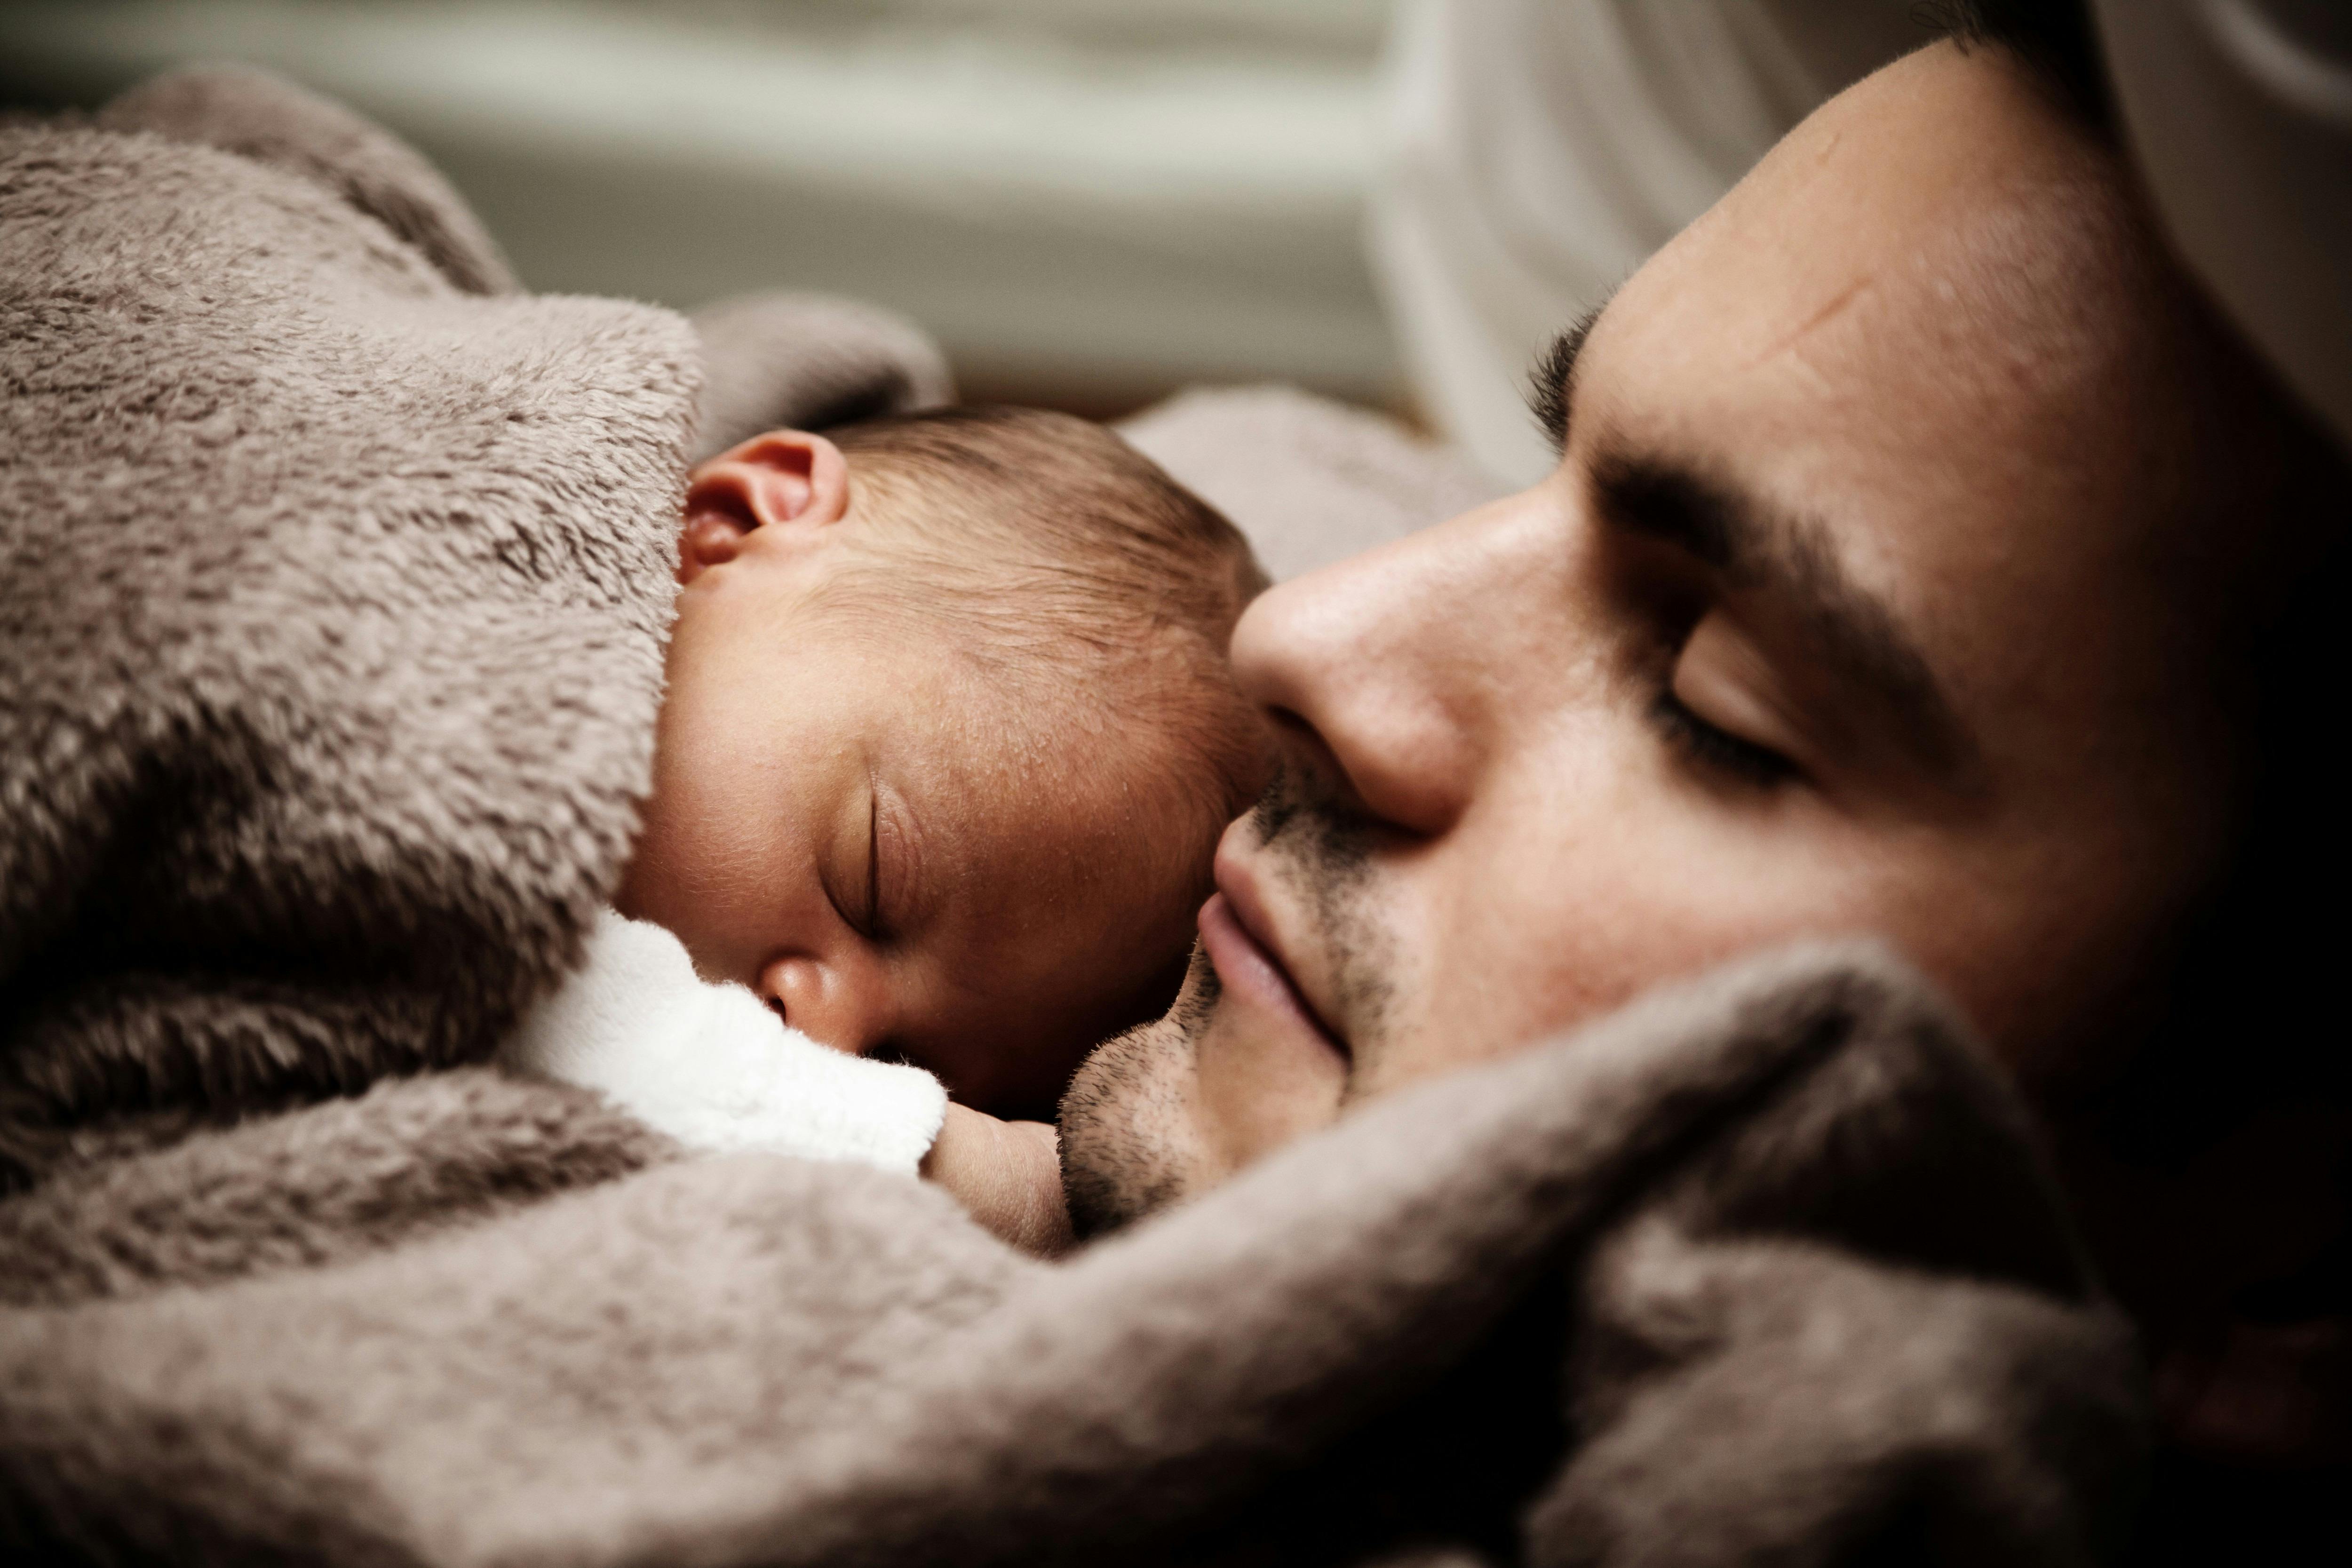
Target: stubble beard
1130,1136
1129,1141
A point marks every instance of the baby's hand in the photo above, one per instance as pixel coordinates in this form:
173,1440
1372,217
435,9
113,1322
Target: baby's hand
1008,1174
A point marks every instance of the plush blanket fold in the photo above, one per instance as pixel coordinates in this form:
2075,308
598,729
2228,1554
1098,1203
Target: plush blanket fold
335,591
333,580
1615,1294
334,576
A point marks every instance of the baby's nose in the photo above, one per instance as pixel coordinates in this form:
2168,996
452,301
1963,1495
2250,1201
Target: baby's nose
844,1004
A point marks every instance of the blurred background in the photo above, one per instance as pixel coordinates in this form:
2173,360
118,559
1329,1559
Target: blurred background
1090,203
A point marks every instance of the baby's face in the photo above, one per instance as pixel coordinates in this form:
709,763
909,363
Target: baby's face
846,818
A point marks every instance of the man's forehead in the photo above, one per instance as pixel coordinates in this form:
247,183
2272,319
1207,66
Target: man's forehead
1937,177
1880,319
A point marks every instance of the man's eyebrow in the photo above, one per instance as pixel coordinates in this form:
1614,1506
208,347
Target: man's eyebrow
1752,545
1551,380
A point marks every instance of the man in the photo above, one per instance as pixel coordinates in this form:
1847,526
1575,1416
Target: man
1879,588
1913,564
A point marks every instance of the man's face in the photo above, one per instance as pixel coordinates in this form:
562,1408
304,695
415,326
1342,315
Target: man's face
1848,609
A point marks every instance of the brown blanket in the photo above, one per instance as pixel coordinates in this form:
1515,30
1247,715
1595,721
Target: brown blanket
331,615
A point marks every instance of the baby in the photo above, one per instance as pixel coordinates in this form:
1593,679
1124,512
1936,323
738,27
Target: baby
948,741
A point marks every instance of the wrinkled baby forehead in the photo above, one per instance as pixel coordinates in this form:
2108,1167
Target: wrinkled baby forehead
1133,759
1082,652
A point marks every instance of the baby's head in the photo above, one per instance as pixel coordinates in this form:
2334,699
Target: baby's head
948,739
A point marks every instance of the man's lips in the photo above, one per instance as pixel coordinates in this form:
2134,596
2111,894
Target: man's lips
1246,963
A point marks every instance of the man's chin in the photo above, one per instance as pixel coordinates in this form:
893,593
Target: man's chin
1130,1136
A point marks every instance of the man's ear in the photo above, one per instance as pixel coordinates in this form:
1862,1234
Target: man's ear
791,483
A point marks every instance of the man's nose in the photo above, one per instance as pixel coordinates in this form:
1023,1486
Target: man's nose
842,1000
1381,660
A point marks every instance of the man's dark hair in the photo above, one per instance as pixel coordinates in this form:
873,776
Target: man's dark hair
2053,37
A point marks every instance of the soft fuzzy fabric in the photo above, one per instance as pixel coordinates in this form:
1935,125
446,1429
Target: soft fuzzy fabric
811,361
1766,1270
711,1066
335,600
410,1158
333,582
1306,480
334,587
242,110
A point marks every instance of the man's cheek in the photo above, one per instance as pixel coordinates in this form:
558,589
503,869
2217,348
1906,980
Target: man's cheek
1539,939
1412,965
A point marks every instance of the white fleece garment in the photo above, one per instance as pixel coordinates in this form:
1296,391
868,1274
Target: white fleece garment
712,1066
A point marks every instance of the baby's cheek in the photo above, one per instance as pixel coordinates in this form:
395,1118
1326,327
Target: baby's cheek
668,882
644,882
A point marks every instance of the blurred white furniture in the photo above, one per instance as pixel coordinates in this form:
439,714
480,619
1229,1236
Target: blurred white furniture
1541,149
2241,114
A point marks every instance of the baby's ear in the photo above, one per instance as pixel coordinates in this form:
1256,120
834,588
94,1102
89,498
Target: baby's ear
789,482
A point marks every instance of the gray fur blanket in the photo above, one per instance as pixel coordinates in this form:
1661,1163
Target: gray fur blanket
333,590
